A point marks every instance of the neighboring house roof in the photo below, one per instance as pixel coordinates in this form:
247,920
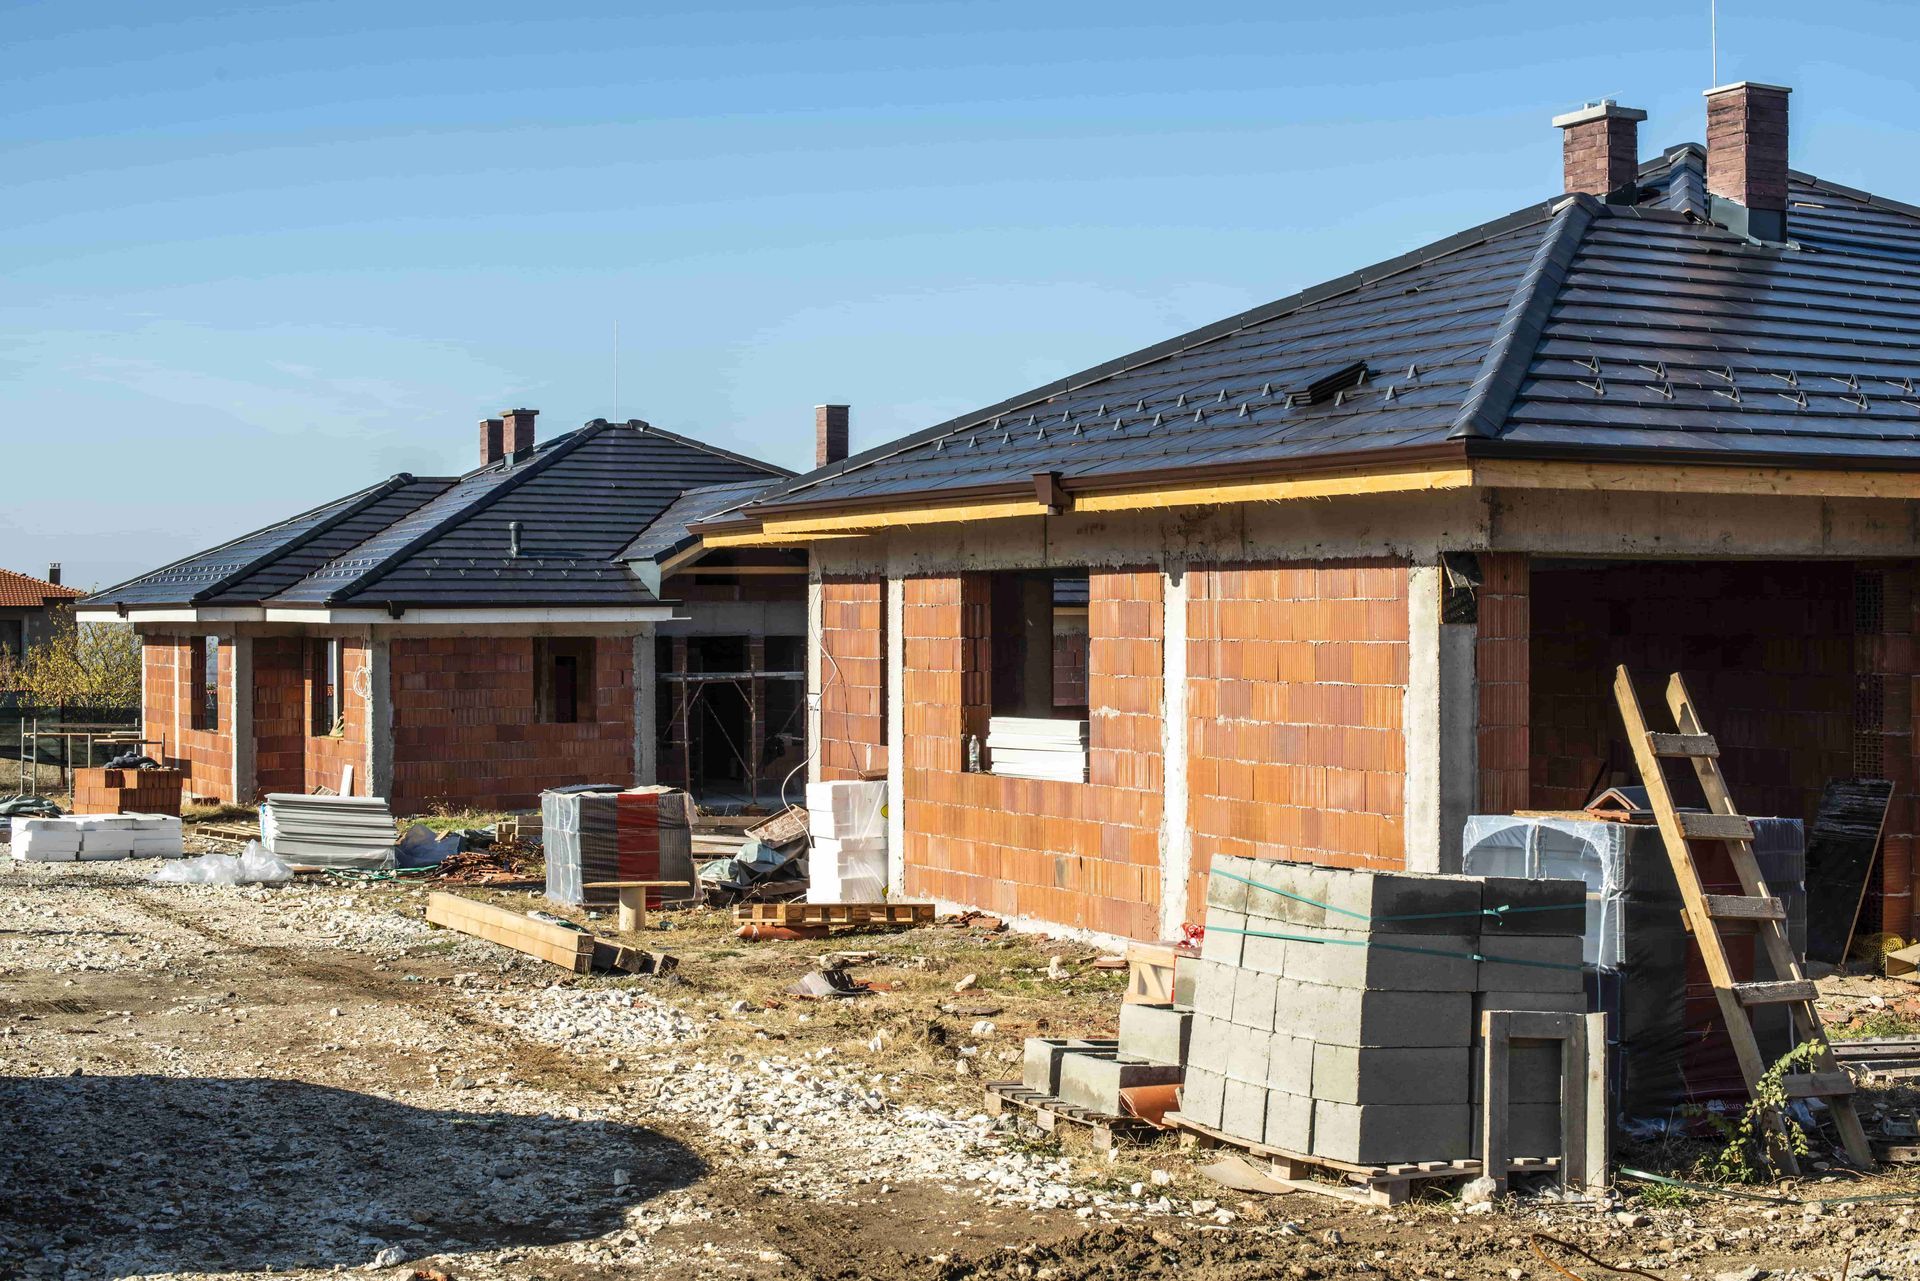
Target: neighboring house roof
1568,328
23,591
670,533
578,498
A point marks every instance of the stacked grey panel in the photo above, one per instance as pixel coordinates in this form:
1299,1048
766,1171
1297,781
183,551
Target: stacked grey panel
1335,1010
328,831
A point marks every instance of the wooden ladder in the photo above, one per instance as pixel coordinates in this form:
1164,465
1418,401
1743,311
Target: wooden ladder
1704,912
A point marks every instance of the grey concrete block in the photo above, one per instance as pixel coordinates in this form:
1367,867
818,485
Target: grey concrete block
1533,906
1263,951
1212,988
1533,1129
1156,1033
1208,1043
1249,1055
1388,962
1223,942
1533,1072
1552,1002
1253,999
1376,902
1521,963
1041,1069
1185,978
1290,1063
1289,1122
1094,1081
1201,1096
1350,1074
1355,1016
1225,891
1288,893
1385,1133
1243,1110
1289,1009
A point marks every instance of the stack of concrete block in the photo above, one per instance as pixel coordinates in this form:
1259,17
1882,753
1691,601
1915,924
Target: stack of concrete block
1091,1074
1335,1011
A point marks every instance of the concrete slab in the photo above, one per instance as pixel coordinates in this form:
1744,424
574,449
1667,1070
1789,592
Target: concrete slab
1222,942
1534,906
1041,1070
1522,963
1253,999
1156,1033
1243,1110
1289,1121
1355,1016
1428,1075
1388,962
1094,1081
1384,1133
1201,1096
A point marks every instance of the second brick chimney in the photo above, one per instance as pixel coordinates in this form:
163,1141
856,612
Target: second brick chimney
829,434
1600,144
1747,155
491,435
517,437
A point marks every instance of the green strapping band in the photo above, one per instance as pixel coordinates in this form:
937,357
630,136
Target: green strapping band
1495,912
1394,947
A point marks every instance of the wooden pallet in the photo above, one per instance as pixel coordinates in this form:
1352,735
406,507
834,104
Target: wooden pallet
835,913
1049,1113
1364,1184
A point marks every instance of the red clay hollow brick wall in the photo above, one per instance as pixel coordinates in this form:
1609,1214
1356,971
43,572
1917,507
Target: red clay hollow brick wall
1501,656
1077,854
279,715
1767,650
465,732
1297,678
328,755
205,755
853,676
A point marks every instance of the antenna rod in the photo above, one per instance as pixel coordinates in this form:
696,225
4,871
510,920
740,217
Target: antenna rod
1713,40
616,369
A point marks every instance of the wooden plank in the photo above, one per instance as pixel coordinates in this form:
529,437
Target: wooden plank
1495,1035
1675,746
1776,993
1738,907
555,944
1840,853
1818,1085
1696,826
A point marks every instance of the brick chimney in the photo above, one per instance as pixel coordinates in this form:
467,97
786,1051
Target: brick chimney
1747,156
491,435
53,573
518,435
1600,144
829,434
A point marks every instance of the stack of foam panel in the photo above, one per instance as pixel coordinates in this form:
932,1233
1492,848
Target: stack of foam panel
847,835
96,836
1335,1011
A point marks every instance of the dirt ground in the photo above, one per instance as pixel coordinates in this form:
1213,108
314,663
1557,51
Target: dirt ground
203,1081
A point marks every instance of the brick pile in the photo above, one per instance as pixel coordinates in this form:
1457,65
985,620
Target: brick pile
1335,1010
127,791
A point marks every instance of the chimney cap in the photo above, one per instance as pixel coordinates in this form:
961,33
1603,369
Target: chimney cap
1743,84
1602,109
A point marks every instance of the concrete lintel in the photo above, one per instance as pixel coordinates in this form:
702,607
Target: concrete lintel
245,779
379,762
896,622
646,709
1440,724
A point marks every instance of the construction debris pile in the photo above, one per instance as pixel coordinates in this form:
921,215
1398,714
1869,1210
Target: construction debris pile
1336,1011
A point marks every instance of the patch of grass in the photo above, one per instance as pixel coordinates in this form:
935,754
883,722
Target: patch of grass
1661,1196
218,813
447,818
1875,1023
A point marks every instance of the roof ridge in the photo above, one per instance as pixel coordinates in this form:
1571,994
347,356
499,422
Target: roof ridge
56,589
559,448
642,425
354,503
1484,411
1353,280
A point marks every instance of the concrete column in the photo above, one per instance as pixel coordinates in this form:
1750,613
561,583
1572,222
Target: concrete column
1440,723
814,596
646,708
1176,844
379,763
893,647
245,777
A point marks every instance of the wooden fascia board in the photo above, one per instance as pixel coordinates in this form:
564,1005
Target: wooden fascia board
1685,478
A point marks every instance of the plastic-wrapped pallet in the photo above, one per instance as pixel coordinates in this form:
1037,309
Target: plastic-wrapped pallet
847,810
600,833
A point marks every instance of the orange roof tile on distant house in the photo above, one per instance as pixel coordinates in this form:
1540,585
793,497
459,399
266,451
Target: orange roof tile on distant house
23,591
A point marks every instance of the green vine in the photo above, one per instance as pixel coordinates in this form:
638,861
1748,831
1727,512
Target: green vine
1752,1150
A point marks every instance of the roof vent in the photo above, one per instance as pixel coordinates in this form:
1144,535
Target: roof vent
1324,382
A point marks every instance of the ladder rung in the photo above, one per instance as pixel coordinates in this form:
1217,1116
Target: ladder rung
1737,907
1698,826
1683,745
1818,1085
1775,993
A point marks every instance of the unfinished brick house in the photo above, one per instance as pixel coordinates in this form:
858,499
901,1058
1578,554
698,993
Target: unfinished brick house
470,640
1360,562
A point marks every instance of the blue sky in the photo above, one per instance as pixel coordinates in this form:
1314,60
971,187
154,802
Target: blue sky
252,257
